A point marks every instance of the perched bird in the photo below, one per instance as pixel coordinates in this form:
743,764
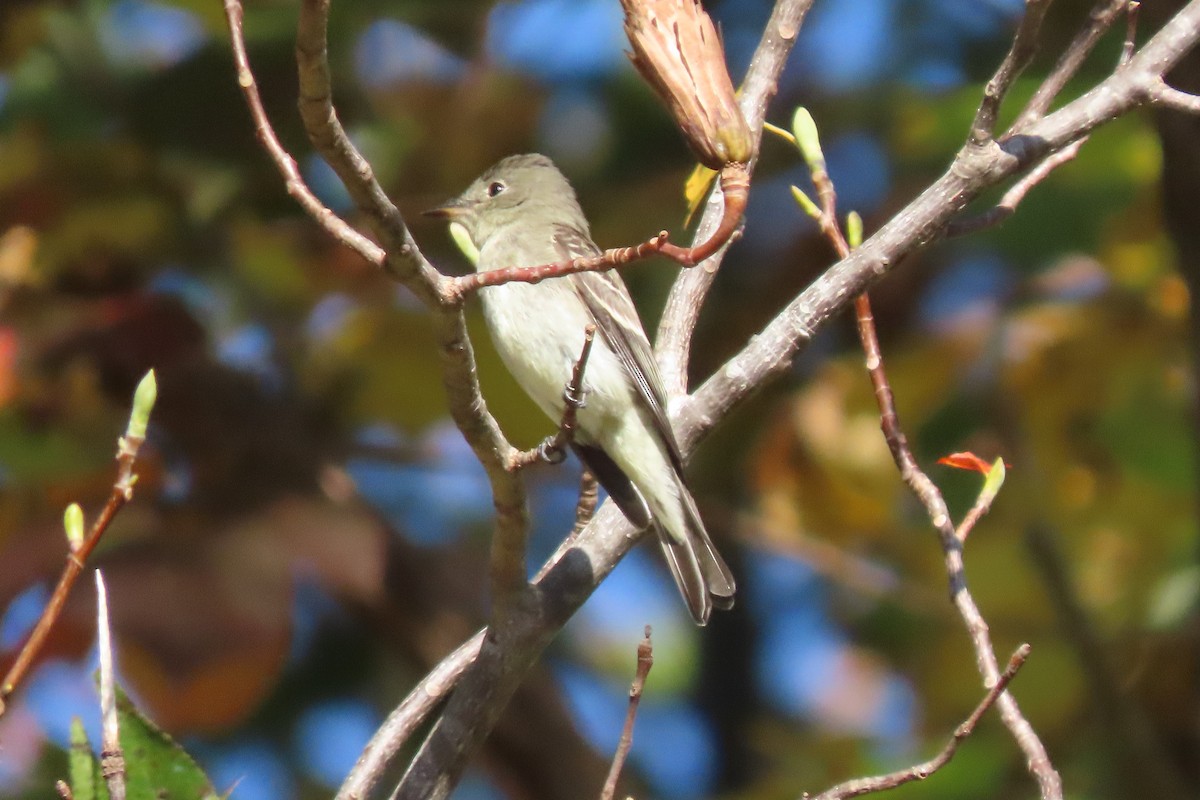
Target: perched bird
523,212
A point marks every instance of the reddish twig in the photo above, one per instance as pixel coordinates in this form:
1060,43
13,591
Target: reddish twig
735,182
735,187
931,498
122,493
645,660
585,508
466,284
919,772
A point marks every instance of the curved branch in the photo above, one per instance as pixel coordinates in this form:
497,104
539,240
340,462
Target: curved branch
674,340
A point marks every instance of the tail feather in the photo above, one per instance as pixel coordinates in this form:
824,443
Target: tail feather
701,574
688,575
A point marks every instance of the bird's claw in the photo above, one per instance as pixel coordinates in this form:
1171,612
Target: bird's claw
575,399
551,451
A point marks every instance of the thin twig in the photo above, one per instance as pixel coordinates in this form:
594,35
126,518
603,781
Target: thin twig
919,772
1101,18
585,508
1015,194
325,218
1131,23
609,259
1160,94
552,450
404,259
122,492
931,497
1024,44
645,660
112,758
735,182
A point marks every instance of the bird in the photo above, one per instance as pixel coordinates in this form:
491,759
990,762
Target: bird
520,212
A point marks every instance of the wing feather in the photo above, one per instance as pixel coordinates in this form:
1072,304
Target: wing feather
617,320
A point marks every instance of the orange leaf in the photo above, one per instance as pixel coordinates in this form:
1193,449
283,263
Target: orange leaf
966,461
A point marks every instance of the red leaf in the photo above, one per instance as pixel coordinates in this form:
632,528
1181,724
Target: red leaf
966,461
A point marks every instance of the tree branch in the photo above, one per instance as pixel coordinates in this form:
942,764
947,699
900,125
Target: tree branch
1024,44
674,339
919,772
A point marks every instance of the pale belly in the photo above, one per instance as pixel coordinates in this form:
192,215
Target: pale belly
539,333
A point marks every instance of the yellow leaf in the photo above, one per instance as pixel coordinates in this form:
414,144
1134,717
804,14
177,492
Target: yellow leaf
697,186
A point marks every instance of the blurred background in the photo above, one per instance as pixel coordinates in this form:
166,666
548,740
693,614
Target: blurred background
309,531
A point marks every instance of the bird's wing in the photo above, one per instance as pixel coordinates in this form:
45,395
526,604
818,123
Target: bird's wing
617,320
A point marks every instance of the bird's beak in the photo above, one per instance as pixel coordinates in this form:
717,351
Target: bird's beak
451,209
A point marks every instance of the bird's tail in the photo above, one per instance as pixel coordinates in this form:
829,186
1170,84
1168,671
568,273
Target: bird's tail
703,578
701,574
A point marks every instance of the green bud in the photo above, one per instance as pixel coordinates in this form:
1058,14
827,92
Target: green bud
806,203
804,128
143,404
73,524
854,230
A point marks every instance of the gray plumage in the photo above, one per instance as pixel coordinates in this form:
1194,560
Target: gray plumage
523,212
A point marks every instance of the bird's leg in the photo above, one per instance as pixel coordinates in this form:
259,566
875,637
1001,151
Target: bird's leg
552,450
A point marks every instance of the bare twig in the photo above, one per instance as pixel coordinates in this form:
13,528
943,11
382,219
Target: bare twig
609,259
1024,44
1015,194
919,772
1099,20
1160,94
925,490
1131,22
585,509
645,660
735,182
122,492
112,758
404,259
325,218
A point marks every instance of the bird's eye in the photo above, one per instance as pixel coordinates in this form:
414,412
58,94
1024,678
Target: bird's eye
495,188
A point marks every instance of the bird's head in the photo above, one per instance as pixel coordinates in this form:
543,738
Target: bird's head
526,191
